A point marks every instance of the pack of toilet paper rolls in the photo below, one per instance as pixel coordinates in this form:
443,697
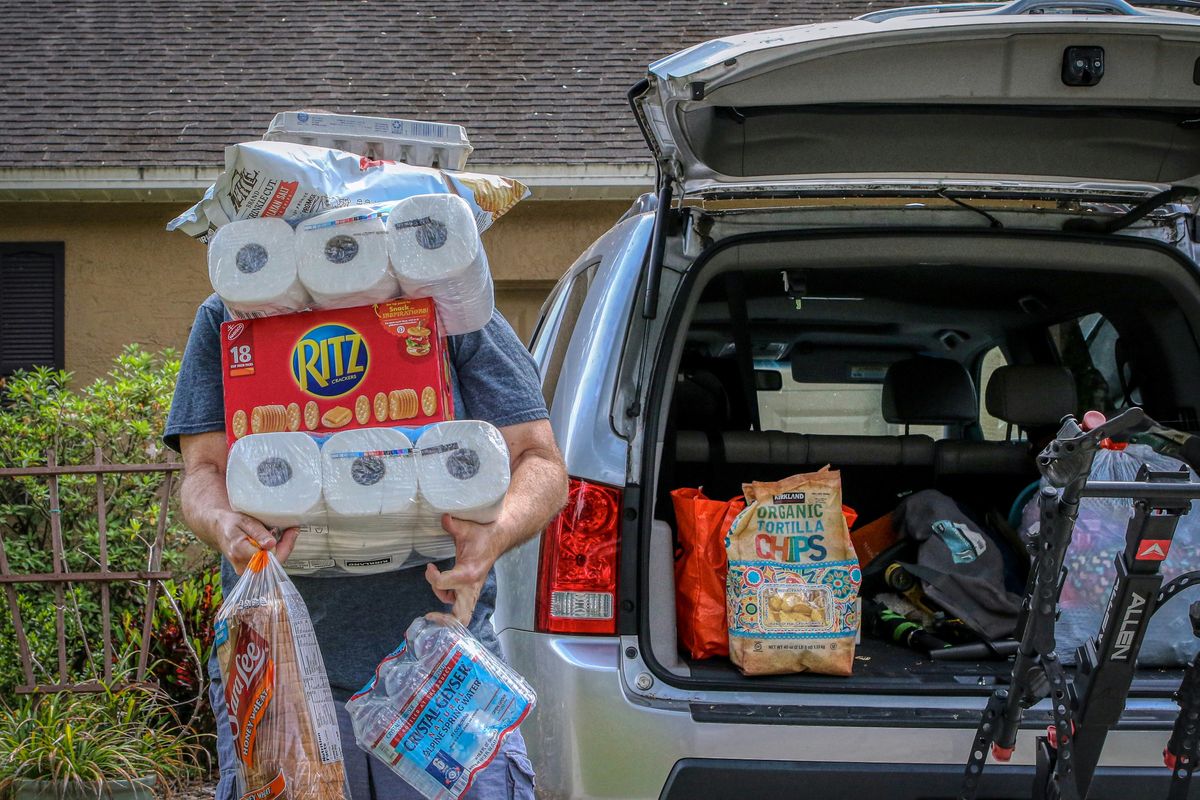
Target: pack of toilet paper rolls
371,499
423,246
295,182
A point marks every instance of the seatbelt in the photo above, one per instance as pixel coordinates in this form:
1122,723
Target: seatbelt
743,348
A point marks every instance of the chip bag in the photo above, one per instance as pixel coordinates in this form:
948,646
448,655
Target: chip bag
296,181
792,589
280,708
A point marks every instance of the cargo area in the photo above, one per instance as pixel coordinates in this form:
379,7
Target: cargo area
947,374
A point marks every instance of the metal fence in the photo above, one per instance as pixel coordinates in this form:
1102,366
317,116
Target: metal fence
62,580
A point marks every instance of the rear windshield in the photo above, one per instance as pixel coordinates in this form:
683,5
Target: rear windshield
849,409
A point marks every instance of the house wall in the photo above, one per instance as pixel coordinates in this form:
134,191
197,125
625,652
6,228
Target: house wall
128,280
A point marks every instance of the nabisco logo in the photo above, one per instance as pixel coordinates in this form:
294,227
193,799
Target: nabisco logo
251,684
235,331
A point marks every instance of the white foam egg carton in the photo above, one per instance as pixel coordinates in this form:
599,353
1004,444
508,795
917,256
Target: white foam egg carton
423,144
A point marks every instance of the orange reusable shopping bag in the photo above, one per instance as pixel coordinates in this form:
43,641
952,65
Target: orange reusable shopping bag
700,569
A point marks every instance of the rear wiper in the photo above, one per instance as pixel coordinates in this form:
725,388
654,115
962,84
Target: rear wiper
1131,216
992,221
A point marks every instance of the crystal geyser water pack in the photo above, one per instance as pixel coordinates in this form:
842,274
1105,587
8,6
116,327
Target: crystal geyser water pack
439,707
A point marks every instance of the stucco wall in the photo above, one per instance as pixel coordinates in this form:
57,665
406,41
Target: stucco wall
128,280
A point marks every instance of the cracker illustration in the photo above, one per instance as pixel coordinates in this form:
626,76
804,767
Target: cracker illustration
336,417
240,423
293,417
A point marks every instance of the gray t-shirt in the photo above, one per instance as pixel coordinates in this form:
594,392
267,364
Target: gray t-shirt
361,619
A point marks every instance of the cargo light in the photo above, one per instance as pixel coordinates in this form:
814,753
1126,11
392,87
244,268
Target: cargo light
577,578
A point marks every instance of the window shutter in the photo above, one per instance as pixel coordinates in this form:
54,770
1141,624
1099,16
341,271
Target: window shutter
31,306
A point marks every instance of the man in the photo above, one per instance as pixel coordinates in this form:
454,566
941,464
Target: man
359,620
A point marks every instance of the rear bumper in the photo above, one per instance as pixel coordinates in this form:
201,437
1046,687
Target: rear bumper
591,736
717,779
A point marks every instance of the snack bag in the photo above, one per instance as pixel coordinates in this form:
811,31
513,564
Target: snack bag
276,692
295,182
792,589
438,707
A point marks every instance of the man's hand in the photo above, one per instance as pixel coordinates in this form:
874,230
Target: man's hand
237,532
206,505
476,548
537,492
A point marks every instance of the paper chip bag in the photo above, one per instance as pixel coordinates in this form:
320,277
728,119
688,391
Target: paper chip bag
792,589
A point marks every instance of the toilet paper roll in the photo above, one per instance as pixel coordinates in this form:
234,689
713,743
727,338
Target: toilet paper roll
276,478
430,540
435,250
462,469
342,258
368,472
310,552
370,537
252,267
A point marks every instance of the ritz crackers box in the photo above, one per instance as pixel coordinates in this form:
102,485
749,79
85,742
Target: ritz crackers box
325,371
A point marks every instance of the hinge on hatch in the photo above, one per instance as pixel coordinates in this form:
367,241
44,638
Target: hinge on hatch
1141,210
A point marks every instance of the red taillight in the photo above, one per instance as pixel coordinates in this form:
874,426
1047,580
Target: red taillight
577,579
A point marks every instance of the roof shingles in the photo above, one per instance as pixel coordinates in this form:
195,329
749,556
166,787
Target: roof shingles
157,83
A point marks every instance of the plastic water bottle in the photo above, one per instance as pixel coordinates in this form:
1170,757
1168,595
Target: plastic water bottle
438,708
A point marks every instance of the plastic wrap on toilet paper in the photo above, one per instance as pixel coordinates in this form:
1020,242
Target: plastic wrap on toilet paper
369,472
435,251
295,182
252,267
463,470
342,258
357,496
275,478
438,708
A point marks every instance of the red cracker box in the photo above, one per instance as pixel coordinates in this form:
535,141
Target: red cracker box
325,371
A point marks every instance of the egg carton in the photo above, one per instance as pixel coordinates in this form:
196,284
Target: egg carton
422,144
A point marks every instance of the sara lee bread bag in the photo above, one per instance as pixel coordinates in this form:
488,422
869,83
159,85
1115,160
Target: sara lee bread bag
792,590
280,708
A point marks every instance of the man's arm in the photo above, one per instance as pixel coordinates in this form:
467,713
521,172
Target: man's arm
537,492
206,504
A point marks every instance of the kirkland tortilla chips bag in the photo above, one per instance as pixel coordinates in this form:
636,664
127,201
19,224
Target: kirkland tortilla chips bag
792,590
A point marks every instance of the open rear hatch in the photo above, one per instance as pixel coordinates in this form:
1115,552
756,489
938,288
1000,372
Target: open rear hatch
1003,99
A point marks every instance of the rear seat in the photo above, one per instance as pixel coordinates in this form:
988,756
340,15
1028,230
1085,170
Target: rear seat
1032,398
878,470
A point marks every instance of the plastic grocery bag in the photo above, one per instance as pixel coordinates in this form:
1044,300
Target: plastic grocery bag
438,707
1099,536
700,569
792,589
295,182
280,709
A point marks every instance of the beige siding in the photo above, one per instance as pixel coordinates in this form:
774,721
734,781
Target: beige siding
128,280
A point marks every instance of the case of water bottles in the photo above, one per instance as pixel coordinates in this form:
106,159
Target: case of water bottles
438,708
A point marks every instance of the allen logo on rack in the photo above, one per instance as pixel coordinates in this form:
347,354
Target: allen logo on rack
1154,550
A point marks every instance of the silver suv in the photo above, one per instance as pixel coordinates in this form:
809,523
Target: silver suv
993,187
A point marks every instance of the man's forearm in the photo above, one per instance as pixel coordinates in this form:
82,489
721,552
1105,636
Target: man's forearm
203,497
537,492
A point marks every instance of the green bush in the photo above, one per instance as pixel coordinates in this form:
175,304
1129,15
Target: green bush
90,738
123,415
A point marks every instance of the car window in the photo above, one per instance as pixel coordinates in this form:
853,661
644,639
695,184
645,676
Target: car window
849,409
1089,347
554,336
994,429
